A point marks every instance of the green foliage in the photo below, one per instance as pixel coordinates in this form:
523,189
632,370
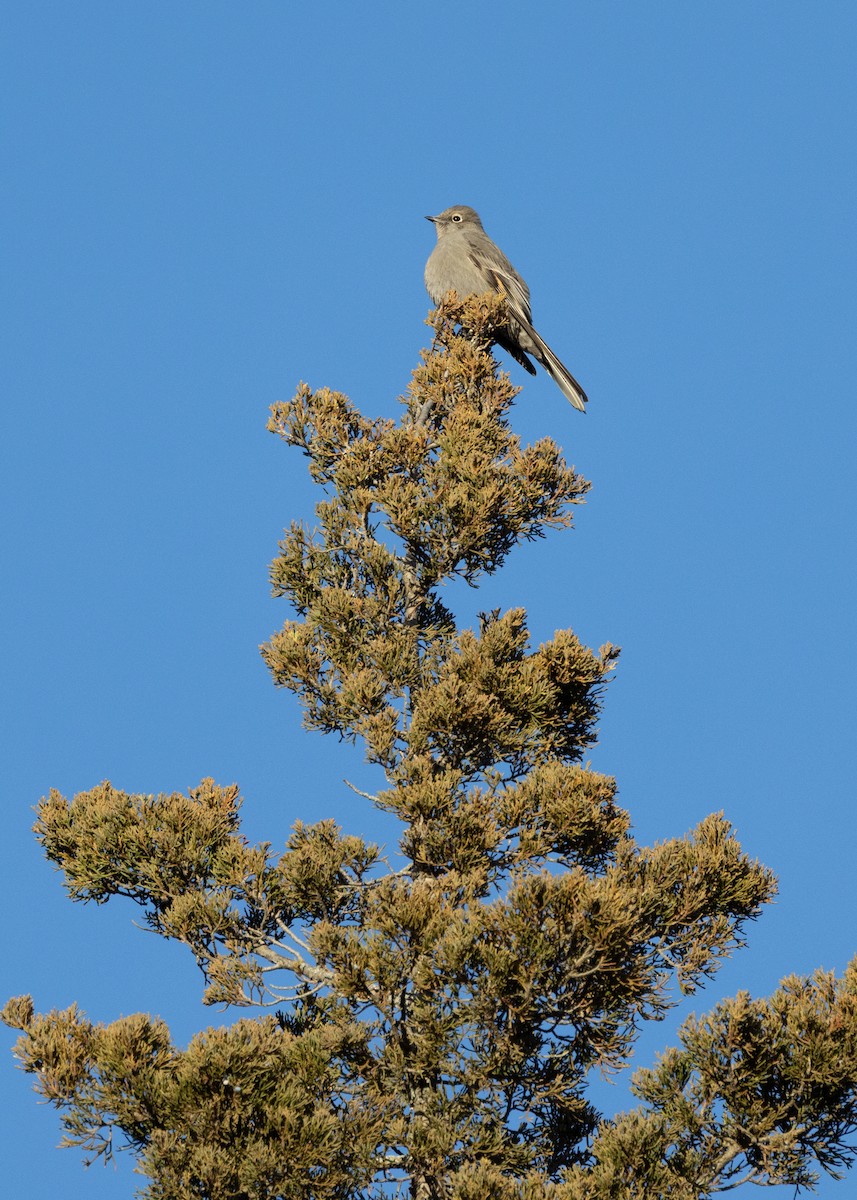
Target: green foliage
758,1091
247,1111
439,1014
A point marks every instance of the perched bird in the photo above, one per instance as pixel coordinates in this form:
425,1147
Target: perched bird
465,260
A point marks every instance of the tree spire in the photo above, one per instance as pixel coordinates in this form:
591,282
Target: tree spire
438,1009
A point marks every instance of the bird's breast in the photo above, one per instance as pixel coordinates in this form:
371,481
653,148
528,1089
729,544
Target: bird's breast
450,268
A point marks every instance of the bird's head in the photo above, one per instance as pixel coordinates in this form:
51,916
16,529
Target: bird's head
460,216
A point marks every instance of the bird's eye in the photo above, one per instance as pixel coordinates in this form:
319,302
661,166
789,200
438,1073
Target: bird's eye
456,216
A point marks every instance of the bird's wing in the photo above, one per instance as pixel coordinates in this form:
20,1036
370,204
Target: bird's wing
492,263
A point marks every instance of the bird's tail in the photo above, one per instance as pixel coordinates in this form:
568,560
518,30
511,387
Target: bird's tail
557,370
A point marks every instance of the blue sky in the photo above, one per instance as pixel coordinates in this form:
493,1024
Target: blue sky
205,203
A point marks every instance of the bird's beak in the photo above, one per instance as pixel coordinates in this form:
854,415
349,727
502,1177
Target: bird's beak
432,219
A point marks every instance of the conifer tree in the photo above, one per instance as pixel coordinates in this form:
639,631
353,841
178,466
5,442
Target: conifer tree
438,1010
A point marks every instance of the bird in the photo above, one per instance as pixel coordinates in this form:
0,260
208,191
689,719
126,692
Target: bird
465,260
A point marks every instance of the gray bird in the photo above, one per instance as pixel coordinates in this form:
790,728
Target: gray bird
465,260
